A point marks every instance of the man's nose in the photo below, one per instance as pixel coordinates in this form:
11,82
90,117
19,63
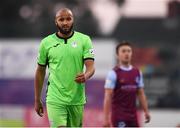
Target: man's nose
126,54
65,22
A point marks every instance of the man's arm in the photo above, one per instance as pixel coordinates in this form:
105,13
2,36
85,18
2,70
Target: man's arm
82,77
38,85
107,107
143,102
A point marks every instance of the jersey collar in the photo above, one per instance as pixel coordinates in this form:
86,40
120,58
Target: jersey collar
126,68
63,37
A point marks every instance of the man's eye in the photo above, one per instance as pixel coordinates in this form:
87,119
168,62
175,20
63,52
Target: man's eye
61,19
68,19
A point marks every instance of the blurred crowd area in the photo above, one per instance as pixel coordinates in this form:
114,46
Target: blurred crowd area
155,34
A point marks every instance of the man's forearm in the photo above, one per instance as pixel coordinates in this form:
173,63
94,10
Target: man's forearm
107,107
89,72
89,68
143,101
38,83
107,104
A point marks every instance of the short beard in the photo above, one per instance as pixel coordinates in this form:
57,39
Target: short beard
65,32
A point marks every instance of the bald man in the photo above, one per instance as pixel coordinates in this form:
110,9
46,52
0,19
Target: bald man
65,53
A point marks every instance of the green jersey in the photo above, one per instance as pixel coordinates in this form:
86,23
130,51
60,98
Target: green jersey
65,59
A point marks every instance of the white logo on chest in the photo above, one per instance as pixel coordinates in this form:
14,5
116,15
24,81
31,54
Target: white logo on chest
74,44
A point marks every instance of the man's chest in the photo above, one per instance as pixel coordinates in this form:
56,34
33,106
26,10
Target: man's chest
128,78
61,50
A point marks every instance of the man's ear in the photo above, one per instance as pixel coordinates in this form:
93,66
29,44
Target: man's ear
117,56
56,22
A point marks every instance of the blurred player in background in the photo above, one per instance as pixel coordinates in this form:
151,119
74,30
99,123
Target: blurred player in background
65,53
122,85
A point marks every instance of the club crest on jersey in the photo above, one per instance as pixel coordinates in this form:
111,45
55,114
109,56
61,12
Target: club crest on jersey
74,44
121,80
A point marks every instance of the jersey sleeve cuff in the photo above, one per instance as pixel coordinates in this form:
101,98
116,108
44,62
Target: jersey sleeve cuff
42,64
89,58
108,87
141,86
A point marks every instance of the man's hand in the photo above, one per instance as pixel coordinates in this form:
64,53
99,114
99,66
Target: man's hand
81,78
147,117
39,108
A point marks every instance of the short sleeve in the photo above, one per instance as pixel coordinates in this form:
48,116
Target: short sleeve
140,82
88,50
42,55
110,80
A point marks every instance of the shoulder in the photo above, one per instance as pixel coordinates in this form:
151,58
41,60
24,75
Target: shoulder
115,69
48,38
137,69
111,75
82,35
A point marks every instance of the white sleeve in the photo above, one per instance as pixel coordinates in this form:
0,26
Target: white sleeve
141,82
110,80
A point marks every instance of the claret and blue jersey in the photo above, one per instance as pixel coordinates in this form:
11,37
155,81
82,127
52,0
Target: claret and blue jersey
112,77
125,81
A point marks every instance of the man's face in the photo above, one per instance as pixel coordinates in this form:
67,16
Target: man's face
125,54
64,21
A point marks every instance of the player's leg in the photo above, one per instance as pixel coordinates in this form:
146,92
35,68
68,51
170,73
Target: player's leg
57,115
75,115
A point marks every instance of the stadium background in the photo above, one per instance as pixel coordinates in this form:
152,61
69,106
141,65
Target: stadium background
153,26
